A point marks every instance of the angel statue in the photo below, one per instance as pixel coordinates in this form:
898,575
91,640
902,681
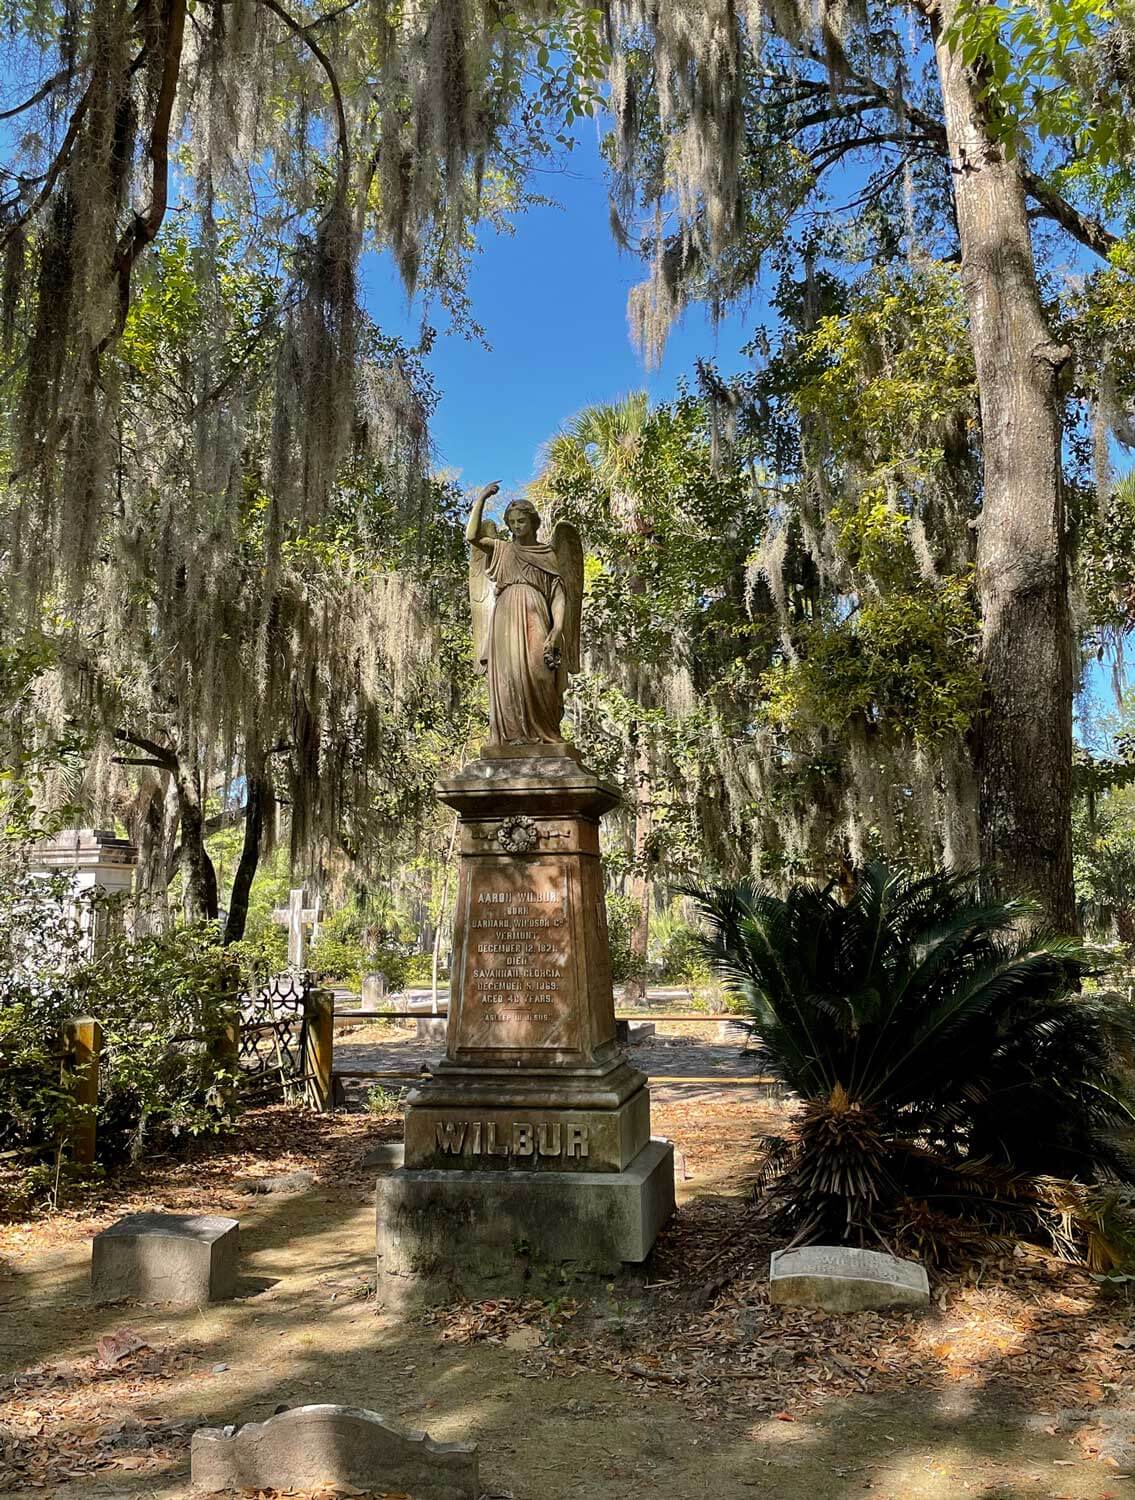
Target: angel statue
526,597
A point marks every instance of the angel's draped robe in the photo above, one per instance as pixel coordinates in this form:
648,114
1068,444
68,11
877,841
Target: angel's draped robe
526,698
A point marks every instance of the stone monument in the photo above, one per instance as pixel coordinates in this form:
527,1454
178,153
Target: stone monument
100,867
534,1133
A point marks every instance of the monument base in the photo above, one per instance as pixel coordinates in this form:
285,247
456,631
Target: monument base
485,1224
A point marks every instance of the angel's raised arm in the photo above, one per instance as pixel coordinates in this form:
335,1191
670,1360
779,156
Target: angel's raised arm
474,532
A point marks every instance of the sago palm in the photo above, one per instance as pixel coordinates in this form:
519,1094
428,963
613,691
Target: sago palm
950,1071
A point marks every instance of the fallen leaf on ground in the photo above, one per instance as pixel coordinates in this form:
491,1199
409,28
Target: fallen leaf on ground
117,1346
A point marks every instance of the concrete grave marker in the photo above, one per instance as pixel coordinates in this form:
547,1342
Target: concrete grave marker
177,1258
313,1446
839,1278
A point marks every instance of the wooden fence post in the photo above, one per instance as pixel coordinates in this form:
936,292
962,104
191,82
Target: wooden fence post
319,1061
82,1043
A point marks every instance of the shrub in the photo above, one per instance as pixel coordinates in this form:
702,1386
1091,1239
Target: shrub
334,958
384,1102
37,944
391,963
622,917
161,1001
263,954
955,1085
418,969
684,958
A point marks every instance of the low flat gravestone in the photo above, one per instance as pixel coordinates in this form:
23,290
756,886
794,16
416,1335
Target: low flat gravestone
312,1446
182,1258
838,1278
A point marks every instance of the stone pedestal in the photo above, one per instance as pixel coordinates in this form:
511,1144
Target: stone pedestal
534,1131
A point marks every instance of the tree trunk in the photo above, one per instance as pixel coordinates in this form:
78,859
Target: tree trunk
1025,734
640,884
198,877
148,830
1125,929
257,798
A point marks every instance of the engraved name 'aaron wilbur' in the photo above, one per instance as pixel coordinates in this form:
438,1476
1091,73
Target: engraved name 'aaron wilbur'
486,1138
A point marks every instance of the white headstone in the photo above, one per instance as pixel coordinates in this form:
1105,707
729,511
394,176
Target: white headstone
297,918
839,1278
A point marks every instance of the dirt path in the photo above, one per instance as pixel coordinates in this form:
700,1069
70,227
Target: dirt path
604,1391
677,1051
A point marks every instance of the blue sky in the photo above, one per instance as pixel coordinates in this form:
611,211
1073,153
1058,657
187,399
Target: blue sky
552,299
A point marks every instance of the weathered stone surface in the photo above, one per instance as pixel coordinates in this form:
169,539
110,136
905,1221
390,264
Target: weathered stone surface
373,989
423,1004
386,1156
286,1182
839,1278
478,1224
178,1258
313,1446
480,1138
532,975
634,1033
531,1142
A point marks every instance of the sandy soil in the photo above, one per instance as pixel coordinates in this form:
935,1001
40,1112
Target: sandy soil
676,1380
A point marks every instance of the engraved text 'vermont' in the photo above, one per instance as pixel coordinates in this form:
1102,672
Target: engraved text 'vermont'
514,972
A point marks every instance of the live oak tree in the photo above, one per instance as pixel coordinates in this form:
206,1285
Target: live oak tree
192,437
254,664
729,129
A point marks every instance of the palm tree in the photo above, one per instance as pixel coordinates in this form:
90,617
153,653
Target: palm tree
605,441
954,1082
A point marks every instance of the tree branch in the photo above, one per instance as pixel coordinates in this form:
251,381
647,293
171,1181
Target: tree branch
144,230
1052,204
41,93
332,78
53,171
162,755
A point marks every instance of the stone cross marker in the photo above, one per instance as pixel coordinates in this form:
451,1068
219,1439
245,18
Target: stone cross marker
297,918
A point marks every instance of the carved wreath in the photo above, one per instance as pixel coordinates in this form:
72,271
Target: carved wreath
518,835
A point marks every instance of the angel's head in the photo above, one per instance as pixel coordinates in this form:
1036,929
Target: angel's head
523,521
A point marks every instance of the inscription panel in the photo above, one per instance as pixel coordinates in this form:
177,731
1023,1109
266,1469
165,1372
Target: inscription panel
527,1137
518,976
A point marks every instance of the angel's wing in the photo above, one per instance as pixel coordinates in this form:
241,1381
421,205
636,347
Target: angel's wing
481,597
568,547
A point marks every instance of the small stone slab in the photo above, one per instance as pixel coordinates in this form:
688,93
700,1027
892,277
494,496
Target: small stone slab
387,1156
176,1258
839,1278
309,1447
632,1033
